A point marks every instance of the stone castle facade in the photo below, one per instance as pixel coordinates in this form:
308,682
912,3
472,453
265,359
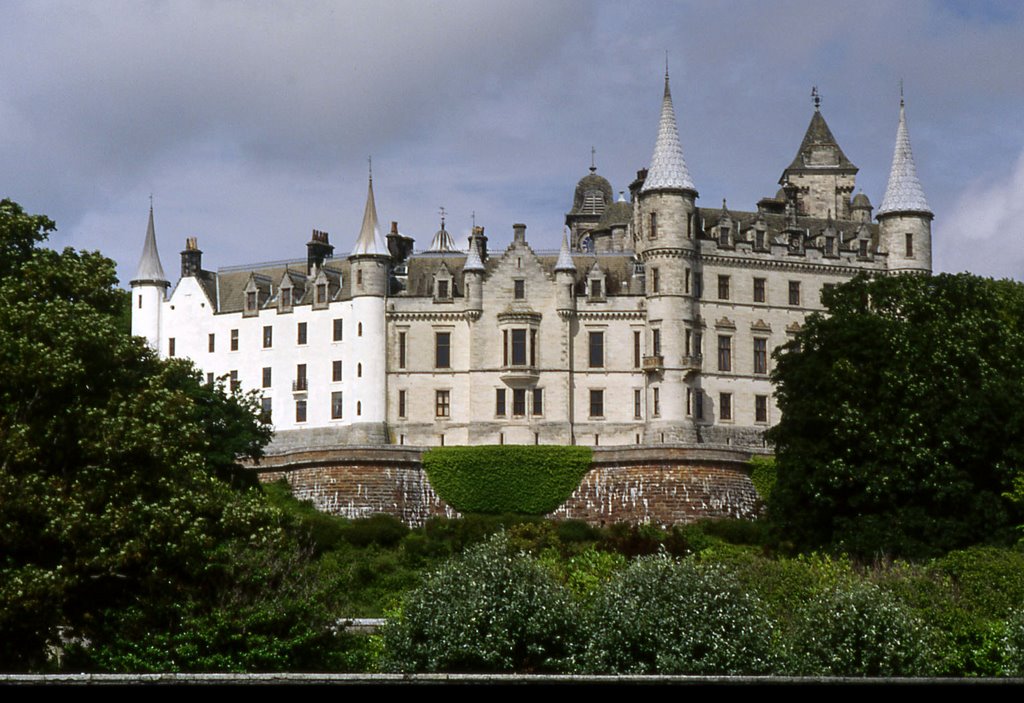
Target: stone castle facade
654,323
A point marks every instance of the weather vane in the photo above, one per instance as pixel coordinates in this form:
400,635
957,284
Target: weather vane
816,97
593,151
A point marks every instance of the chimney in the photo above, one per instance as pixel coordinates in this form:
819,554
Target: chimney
318,248
481,242
519,233
191,258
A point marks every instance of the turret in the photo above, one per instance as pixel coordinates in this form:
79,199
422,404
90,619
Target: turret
149,288
565,280
904,218
473,280
367,404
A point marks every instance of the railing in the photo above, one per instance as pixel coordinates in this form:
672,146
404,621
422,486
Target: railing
300,385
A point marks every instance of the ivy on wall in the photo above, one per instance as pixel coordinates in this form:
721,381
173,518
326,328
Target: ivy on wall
531,480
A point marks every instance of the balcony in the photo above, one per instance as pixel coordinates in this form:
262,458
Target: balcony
300,385
520,375
654,364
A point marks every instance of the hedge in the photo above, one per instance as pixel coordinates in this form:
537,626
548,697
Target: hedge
530,480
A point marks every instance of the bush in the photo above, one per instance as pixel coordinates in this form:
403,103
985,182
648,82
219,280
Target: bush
762,475
385,530
858,629
532,480
662,616
491,610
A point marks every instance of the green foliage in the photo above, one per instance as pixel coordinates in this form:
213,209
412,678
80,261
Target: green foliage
858,629
385,530
131,538
989,582
763,475
898,414
532,480
662,616
493,609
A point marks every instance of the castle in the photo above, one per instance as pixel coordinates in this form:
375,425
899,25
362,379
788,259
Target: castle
654,323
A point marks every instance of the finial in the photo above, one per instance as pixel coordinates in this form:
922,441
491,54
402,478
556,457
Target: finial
723,204
443,212
816,97
473,217
151,202
901,92
369,163
666,64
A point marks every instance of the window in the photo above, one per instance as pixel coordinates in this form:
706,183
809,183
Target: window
910,244
825,287
698,344
519,286
794,292
654,225
864,248
301,334
698,398
656,341
596,350
336,370
499,402
686,281
688,336
266,409
301,382
250,300
211,344
339,329
595,288
637,403
829,245
140,302
443,350
337,406
538,401
442,289
359,407
442,403
760,355
596,403
723,236
267,377
321,296
268,337
759,239
698,285
234,340
401,404
300,410
286,298
359,370
235,383
689,401
724,353
209,378
657,401
759,290
636,348
760,408
401,350
359,277
518,402
723,287
725,406
359,329
655,280
533,347
171,347
519,347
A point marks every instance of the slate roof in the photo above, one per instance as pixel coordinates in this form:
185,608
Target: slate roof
903,192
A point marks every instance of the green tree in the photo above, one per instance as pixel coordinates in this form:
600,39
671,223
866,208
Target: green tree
902,417
125,522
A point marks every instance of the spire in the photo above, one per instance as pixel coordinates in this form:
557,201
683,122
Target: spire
904,192
370,242
564,262
150,270
819,149
473,262
668,167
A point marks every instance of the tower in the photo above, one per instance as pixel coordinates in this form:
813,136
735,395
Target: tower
149,287
904,218
369,277
667,243
473,280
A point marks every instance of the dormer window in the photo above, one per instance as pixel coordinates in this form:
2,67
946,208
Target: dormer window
596,289
250,300
724,235
830,243
286,298
864,248
759,239
442,289
321,293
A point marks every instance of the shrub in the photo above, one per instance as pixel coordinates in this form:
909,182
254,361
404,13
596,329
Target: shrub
662,616
491,610
533,480
385,530
858,629
762,475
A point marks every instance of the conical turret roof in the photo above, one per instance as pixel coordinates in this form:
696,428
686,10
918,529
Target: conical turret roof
904,192
150,270
565,262
370,242
473,262
819,149
668,167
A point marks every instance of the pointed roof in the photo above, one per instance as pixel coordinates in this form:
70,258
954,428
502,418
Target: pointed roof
904,192
668,167
370,242
150,270
819,149
473,262
442,240
565,262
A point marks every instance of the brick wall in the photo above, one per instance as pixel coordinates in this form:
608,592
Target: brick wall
663,485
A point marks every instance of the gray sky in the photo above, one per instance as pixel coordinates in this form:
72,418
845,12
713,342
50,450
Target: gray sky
251,123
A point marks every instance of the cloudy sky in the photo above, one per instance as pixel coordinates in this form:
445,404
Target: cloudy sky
251,123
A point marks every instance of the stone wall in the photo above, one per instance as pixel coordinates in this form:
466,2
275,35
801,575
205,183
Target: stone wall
658,484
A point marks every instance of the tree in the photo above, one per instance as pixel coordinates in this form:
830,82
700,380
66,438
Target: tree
129,537
902,417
